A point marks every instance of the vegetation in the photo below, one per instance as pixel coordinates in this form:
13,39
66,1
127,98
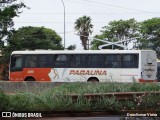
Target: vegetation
57,100
117,31
84,27
30,38
35,38
82,88
71,47
147,33
8,10
150,35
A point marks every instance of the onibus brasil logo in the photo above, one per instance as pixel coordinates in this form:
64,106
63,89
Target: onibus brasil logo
21,114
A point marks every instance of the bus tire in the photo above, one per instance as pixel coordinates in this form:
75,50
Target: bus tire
29,79
93,79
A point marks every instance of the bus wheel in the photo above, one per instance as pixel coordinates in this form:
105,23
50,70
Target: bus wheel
93,79
29,79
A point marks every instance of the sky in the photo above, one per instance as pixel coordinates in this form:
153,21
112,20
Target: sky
50,14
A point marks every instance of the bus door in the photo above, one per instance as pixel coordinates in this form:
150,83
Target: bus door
16,68
149,65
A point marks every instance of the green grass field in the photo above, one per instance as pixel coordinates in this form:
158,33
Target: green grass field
56,100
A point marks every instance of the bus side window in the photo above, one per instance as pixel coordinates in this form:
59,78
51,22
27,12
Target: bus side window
113,61
130,61
108,59
31,61
16,63
117,61
61,61
96,61
75,61
83,60
45,60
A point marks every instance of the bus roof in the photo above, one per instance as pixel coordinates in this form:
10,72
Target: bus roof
76,51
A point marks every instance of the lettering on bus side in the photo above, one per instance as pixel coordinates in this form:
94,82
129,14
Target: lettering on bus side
88,72
30,71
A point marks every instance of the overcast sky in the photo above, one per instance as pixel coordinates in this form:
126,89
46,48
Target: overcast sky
49,13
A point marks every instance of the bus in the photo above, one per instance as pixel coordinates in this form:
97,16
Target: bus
83,65
158,70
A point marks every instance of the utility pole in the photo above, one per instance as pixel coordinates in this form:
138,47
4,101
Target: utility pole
88,44
64,22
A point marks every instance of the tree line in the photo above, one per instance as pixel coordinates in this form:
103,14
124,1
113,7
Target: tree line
29,37
147,33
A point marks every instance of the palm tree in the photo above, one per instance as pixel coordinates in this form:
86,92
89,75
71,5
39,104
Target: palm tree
84,27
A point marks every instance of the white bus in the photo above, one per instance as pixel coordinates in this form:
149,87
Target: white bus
83,65
158,70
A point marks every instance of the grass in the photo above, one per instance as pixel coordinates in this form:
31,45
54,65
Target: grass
82,88
56,100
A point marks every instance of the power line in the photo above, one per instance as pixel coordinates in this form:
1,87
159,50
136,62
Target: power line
116,6
85,3
68,32
98,13
51,22
40,22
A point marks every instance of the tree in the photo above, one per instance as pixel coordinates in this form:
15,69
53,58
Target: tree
71,47
35,38
8,10
84,27
150,35
117,31
30,38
